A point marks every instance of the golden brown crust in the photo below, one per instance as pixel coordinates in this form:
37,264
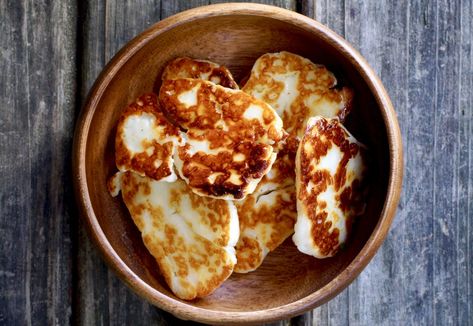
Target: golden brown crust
315,85
279,216
219,108
249,254
199,69
316,143
283,169
272,222
199,167
240,148
204,255
159,149
213,213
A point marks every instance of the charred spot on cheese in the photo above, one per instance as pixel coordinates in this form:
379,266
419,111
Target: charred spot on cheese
146,140
199,69
231,139
198,104
192,238
282,172
329,173
267,216
297,89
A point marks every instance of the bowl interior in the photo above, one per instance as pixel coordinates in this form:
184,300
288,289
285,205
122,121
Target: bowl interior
235,41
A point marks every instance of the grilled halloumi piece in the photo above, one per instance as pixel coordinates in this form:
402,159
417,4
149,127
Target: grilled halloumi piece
265,222
231,139
145,141
268,215
191,237
329,173
199,69
297,89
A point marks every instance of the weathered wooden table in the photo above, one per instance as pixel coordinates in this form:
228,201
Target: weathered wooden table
52,51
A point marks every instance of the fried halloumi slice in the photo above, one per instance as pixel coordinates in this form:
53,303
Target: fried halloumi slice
145,141
231,139
265,222
297,89
192,238
268,215
199,69
329,174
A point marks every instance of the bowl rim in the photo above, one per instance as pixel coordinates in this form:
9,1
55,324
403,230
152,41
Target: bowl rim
185,310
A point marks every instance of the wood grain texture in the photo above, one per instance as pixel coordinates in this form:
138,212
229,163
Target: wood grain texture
368,302
287,4
464,181
37,115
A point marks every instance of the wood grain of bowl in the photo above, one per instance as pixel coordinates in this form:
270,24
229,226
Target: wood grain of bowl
288,283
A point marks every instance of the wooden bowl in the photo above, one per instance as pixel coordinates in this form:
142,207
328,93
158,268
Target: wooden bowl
288,283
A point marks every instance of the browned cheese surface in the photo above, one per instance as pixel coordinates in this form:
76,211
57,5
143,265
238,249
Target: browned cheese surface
189,247
268,215
297,89
329,196
231,136
199,69
154,154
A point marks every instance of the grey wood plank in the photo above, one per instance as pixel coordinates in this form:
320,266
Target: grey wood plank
329,13
464,186
396,287
101,299
376,297
169,8
37,97
15,193
448,292
424,264
452,303
90,299
287,4
335,312
125,20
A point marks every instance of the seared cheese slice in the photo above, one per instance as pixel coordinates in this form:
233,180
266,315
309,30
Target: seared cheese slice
199,69
145,141
231,139
329,174
267,216
297,89
192,238
266,220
